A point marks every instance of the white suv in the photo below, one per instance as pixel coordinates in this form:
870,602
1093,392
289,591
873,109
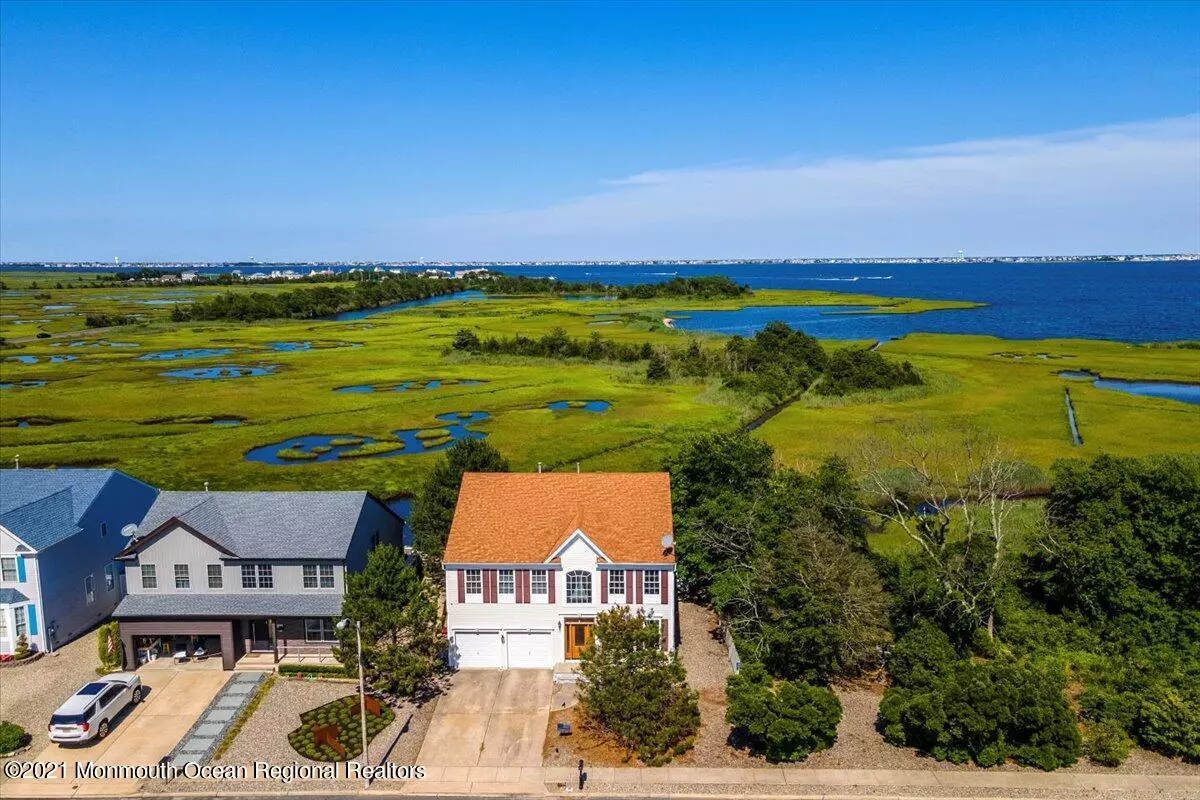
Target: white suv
89,712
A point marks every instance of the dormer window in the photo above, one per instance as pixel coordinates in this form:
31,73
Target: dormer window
579,586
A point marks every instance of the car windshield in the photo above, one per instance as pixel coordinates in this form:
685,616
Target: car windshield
68,719
93,688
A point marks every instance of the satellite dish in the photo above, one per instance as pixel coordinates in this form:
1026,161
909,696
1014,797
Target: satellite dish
667,541
129,531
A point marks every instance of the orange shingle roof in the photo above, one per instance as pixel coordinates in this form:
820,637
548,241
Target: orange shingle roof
522,518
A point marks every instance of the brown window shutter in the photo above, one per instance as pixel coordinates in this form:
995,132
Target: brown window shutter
603,585
639,574
664,587
523,586
630,597
489,586
462,585
551,580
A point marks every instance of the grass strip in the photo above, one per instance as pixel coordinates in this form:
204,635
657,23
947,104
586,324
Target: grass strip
244,717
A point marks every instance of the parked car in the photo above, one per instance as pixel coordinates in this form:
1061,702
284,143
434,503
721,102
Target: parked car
89,712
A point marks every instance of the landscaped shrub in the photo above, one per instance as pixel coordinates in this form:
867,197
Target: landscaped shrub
316,670
12,737
784,720
342,712
1106,744
21,649
920,655
986,713
635,691
1168,721
108,647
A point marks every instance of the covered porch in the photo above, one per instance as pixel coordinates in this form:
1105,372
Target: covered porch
260,630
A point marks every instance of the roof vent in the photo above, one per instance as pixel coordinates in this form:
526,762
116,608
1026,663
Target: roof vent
539,468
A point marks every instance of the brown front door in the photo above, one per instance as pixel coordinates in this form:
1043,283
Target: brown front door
578,635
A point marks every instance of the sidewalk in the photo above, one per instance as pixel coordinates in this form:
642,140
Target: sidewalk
785,781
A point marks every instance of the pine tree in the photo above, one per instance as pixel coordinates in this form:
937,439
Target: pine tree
398,611
434,509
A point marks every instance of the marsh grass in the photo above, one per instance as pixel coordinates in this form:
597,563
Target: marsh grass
110,396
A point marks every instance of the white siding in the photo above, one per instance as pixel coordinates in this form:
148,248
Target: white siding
539,616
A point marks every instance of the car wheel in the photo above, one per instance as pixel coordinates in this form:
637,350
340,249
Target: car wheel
102,731
137,695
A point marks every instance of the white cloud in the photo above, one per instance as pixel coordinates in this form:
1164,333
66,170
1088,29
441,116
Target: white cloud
1122,188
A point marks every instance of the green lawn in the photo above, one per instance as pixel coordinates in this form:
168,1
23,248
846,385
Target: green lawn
111,408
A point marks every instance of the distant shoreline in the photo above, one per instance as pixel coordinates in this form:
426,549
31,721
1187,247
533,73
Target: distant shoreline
38,266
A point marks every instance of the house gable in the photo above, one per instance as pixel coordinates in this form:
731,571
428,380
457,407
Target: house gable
569,549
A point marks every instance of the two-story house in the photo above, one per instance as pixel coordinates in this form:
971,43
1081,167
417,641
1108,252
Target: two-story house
532,558
246,572
60,531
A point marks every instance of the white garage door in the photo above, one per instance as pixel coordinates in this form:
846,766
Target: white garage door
530,649
477,649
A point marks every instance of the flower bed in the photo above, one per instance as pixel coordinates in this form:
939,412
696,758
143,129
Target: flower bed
340,715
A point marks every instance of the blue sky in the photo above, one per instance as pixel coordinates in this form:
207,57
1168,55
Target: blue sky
543,131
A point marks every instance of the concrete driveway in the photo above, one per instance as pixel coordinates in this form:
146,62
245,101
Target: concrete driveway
175,699
490,718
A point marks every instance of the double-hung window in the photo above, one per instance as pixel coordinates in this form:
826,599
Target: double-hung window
183,578
110,577
149,576
257,576
3,626
216,576
616,582
89,589
318,576
537,582
474,581
20,625
651,584
320,629
507,585
579,586
8,569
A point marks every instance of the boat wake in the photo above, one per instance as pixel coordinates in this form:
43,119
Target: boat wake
854,278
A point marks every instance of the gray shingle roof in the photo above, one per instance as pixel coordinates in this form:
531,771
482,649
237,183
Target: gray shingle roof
266,525
12,596
142,606
42,506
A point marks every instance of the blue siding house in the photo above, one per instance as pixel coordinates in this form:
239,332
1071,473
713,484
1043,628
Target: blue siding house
60,530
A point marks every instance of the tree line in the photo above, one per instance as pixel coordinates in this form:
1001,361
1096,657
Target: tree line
777,362
704,287
315,302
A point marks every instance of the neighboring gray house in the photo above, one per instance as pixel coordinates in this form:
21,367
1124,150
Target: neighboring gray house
60,530
246,572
